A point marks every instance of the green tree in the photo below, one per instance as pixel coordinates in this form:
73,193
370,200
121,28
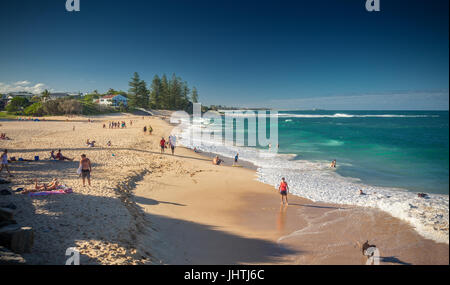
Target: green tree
138,92
35,109
165,93
156,93
45,95
17,104
194,95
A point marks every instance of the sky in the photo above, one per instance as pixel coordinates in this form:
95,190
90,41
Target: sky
325,54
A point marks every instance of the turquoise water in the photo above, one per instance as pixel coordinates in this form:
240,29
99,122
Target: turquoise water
381,153
383,148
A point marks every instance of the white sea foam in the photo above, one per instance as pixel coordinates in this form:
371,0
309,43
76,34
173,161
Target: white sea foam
317,182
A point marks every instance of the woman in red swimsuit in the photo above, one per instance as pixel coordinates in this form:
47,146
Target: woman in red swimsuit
284,188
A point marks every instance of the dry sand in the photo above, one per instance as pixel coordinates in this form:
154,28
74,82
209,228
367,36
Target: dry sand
148,208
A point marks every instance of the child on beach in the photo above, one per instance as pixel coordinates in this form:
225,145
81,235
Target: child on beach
5,162
283,188
217,160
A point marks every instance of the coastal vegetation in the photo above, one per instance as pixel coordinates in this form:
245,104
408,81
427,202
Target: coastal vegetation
163,93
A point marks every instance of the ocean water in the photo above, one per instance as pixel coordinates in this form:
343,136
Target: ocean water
390,155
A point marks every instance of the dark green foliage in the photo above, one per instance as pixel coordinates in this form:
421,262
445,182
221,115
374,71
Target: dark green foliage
173,94
17,105
138,92
35,109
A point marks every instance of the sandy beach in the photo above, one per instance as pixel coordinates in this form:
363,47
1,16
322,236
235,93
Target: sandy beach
149,208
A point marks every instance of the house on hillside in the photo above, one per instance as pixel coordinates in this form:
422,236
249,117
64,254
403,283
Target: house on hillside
54,96
113,100
27,95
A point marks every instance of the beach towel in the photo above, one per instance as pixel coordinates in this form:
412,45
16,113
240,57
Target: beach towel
61,190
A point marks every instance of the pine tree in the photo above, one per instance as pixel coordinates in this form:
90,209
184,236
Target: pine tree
134,90
194,95
156,93
165,94
138,92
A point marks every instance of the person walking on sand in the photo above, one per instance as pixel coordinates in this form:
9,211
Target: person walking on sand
86,169
162,144
150,130
5,162
284,189
172,143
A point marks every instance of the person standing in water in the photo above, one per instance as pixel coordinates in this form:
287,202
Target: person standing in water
333,164
284,189
236,158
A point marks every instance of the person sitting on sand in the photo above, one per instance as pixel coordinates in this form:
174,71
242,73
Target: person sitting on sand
217,160
361,192
333,164
61,157
4,137
90,143
109,143
52,155
43,187
284,189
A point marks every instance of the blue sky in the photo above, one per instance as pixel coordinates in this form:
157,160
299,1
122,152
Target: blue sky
287,54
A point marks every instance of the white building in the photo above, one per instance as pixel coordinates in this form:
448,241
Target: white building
113,100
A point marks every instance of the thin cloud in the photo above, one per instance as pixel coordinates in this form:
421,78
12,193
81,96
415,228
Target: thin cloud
421,100
22,86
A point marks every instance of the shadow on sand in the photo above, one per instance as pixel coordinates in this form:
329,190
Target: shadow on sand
179,241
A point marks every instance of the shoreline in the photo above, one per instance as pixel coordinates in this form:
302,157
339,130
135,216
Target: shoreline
312,180
147,208
270,193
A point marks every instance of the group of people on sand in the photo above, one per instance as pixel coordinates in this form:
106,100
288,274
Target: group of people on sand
149,129
117,125
59,156
171,143
85,169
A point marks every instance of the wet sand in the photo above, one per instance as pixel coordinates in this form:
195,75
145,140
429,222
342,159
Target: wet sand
221,215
